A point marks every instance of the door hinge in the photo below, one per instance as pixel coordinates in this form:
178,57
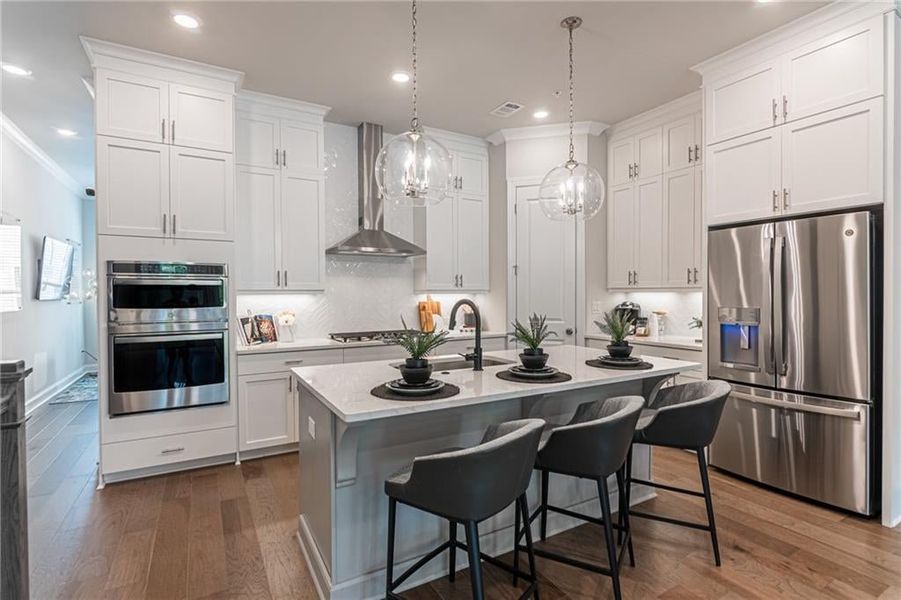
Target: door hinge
515,270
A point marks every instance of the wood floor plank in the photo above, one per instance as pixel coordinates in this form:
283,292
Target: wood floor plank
247,577
206,546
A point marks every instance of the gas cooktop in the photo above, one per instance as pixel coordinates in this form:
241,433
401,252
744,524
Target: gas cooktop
385,335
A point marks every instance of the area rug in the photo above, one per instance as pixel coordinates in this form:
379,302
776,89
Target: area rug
83,390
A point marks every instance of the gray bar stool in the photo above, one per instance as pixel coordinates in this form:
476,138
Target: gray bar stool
593,445
467,486
685,417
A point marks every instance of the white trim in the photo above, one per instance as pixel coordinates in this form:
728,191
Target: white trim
252,101
672,110
545,131
790,35
457,138
42,397
97,49
42,158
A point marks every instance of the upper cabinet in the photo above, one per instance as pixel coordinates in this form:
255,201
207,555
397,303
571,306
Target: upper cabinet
281,194
454,232
742,103
201,118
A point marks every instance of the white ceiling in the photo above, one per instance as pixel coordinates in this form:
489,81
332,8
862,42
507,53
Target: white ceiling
630,56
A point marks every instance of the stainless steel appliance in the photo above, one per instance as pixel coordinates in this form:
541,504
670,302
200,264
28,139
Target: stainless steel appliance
632,310
380,335
792,324
168,335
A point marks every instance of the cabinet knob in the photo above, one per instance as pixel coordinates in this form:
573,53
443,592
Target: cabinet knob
570,331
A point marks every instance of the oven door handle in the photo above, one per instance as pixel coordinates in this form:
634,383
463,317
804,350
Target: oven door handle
145,339
846,413
211,282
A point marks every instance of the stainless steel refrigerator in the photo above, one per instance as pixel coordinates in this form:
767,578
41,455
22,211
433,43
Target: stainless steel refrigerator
793,326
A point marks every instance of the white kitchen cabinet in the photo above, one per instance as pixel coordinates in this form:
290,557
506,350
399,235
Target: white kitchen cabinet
258,137
648,234
301,148
472,242
440,245
834,71
744,178
620,237
681,230
834,160
302,232
682,144
743,102
649,153
200,118
471,169
132,187
202,197
266,410
131,106
258,213
454,233
622,159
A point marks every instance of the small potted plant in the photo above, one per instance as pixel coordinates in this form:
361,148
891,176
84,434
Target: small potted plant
697,323
416,369
617,326
531,336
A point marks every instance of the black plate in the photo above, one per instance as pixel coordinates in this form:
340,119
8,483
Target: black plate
399,386
400,383
544,373
629,360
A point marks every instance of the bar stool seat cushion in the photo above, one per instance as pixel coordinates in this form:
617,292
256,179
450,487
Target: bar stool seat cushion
687,415
399,478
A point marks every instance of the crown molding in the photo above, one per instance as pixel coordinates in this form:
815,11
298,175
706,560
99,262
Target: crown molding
248,99
42,158
674,109
454,137
545,131
97,50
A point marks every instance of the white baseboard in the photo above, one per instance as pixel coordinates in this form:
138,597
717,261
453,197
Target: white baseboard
41,398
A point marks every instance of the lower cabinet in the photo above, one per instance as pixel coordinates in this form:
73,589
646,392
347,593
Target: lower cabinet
266,410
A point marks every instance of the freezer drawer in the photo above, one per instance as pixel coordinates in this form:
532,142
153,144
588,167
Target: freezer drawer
813,447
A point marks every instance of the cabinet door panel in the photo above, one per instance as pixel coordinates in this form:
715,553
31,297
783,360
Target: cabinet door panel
697,279
841,69
648,233
472,242
258,228
622,156
620,236
473,171
303,255
699,138
132,106
257,141
742,175
649,153
834,160
132,187
266,410
201,118
678,144
202,196
301,149
742,103
441,246
680,220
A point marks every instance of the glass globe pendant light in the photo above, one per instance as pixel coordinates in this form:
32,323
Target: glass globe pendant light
414,168
573,189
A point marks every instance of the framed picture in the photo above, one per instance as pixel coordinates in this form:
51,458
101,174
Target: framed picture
265,325
250,332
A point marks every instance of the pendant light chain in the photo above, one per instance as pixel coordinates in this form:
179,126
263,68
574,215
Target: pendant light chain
572,151
414,122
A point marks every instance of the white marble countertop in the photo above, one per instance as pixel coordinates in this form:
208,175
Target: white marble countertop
685,342
327,343
344,389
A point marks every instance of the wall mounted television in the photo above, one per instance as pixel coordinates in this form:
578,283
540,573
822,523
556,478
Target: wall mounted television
55,269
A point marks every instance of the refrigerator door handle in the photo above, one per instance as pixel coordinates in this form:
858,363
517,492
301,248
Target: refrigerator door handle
778,306
845,413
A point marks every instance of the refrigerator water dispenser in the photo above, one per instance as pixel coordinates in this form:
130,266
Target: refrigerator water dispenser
739,337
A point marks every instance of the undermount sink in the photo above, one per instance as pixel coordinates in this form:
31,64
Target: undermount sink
452,363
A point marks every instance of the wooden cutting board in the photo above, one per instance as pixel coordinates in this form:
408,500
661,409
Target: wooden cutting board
427,309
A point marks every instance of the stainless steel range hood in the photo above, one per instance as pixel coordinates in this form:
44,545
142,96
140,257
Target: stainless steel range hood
372,239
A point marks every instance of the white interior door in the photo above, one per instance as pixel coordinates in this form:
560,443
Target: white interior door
545,266
258,228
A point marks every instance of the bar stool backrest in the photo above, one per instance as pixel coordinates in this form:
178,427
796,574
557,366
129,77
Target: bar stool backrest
688,415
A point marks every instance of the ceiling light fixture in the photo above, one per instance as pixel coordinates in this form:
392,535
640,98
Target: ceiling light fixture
573,189
16,70
400,77
185,20
66,132
540,114
413,168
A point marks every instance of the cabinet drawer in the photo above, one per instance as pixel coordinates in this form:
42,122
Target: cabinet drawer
663,352
153,452
384,352
274,362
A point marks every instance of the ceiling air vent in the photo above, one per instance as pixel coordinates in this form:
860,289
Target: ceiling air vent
506,109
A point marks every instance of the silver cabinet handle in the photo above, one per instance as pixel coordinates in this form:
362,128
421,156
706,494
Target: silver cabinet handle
784,107
278,278
630,171
848,413
689,153
688,275
276,157
461,182
163,129
165,218
289,385
284,158
775,115
635,277
172,137
461,279
172,450
173,224
775,201
636,169
696,274
697,153
630,277
785,203
286,277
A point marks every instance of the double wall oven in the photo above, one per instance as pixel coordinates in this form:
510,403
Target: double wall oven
168,335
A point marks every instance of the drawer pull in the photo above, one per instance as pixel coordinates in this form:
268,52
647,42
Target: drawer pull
293,362
172,450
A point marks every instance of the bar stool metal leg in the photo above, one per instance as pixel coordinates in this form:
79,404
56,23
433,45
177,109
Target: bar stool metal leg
516,536
452,565
475,560
523,506
708,500
545,476
624,516
608,536
389,568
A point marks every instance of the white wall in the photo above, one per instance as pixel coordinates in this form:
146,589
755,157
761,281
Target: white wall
89,262
360,293
49,336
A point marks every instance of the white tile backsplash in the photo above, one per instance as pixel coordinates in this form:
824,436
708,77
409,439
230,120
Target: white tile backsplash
680,308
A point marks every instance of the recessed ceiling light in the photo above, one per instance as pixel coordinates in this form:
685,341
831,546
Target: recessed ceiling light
400,77
16,70
540,114
66,132
186,21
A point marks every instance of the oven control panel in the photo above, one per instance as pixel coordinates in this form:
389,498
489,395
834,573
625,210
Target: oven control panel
165,268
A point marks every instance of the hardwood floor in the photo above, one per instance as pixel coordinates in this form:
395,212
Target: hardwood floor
228,532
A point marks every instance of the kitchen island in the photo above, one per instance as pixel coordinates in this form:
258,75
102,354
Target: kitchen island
351,441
